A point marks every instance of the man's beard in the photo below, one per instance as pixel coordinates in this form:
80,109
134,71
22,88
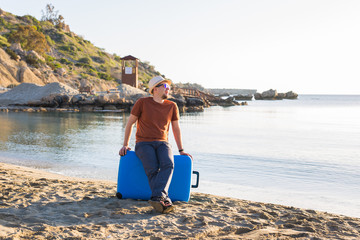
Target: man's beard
164,96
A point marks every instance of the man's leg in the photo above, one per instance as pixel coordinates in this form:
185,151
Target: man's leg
158,163
147,154
166,163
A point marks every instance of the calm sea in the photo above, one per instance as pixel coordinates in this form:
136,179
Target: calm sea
303,153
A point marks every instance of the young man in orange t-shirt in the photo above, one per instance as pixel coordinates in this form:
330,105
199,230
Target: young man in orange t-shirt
154,116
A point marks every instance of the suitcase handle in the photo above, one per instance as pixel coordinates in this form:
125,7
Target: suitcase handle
197,179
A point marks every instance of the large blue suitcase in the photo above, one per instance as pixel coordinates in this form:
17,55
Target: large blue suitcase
133,183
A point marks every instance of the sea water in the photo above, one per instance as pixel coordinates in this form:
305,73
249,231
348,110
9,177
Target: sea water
303,153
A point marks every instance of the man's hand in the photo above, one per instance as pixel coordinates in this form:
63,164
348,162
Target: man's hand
124,150
184,153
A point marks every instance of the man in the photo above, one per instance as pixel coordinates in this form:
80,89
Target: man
154,116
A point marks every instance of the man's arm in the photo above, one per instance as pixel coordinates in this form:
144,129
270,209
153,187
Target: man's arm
177,135
128,129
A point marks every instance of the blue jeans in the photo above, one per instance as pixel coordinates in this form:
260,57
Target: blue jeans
158,161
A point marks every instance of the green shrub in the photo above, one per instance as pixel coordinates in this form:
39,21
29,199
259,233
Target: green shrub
93,72
117,58
85,60
57,65
49,58
30,39
98,59
54,65
33,61
3,22
102,53
84,65
56,36
49,40
102,68
65,61
81,42
4,42
84,75
31,20
69,49
105,76
11,53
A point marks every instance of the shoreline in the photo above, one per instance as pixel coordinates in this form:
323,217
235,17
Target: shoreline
38,204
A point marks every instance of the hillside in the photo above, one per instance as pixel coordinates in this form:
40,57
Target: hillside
46,51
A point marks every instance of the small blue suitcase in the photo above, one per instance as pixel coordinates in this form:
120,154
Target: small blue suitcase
133,183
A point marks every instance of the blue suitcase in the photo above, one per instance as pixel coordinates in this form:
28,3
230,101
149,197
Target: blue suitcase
133,183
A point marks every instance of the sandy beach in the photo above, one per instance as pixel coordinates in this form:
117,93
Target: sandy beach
40,205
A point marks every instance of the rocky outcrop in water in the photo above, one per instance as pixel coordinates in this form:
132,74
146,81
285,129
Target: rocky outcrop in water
247,97
60,96
274,95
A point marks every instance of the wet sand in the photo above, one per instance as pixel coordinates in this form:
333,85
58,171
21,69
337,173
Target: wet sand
39,205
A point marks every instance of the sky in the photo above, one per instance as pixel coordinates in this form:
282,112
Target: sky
305,46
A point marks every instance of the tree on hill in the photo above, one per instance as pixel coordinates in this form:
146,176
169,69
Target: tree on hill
52,16
30,39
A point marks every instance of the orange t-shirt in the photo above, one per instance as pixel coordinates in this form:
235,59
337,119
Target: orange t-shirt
154,119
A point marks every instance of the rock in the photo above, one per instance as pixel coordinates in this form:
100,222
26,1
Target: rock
113,97
258,96
243,97
61,71
84,83
35,55
180,102
274,95
28,92
37,72
98,108
230,101
25,75
77,98
110,107
16,47
87,108
55,100
178,99
269,94
191,102
88,101
280,96
291,95
63,99
195,109
131,93
102,99
8,69
120,101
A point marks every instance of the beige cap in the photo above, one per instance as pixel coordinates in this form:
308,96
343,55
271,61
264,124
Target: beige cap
155,81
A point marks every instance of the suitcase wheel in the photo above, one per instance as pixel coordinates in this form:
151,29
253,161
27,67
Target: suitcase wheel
119,195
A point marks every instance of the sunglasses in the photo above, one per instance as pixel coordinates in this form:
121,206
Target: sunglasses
163,84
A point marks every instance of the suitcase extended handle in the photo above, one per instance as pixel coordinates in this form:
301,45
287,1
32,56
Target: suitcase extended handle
197,179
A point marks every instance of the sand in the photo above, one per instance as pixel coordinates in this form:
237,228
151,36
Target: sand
40,205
